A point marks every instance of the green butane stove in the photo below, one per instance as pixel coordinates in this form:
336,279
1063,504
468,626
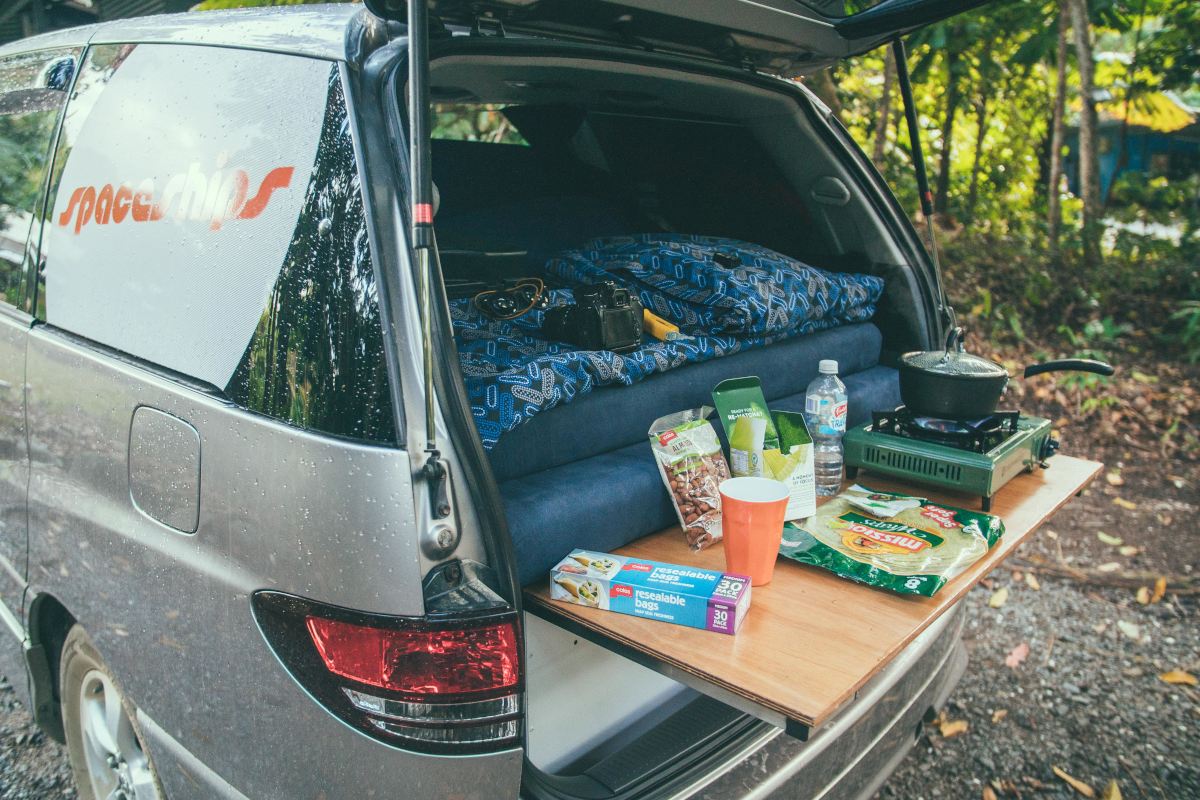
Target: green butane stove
969,456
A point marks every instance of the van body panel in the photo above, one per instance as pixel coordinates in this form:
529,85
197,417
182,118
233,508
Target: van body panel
70,37
14,465
318,32
170,612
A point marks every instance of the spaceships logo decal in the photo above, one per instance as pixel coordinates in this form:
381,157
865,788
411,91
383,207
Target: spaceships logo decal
193,195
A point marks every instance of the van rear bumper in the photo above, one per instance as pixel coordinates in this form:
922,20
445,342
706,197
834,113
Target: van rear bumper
850,757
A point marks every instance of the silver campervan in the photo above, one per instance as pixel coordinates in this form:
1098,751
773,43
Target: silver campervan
257,537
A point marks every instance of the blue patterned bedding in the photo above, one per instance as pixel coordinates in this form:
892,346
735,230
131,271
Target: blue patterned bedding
748,296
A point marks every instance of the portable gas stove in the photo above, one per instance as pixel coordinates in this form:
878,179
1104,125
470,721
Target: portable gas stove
973,456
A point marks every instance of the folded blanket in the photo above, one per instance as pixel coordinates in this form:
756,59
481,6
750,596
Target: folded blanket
512,373
713,286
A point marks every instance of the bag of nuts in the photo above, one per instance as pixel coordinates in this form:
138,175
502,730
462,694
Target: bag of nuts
692,467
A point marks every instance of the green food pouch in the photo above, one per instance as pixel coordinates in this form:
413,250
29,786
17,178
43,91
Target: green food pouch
748,425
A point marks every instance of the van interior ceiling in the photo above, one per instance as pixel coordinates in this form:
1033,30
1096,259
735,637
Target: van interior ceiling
589,149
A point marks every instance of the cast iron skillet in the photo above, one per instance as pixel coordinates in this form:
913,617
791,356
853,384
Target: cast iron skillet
953,384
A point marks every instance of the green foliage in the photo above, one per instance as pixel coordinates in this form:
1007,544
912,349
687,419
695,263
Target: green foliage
1015,286
1188,317
474,123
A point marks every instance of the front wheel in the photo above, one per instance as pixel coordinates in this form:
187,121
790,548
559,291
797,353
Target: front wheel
107,756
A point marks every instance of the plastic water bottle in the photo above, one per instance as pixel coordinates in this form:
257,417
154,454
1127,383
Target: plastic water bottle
825,412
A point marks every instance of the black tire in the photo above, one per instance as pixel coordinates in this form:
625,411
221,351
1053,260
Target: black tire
104,742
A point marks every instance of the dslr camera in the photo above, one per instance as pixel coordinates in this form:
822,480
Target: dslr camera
604,316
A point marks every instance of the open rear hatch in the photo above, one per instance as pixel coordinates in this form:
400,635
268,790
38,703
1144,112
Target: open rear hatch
810,640
784,37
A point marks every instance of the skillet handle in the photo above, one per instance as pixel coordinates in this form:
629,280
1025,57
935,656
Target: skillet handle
1070,365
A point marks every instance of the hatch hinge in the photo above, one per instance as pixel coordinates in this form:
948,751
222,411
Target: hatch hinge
482,25
437,476
738,58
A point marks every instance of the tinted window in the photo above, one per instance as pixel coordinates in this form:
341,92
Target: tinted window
316,358
213,225
33,88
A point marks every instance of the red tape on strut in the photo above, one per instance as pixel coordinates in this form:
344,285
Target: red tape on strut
423,213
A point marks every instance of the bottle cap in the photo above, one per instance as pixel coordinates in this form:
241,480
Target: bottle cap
827,366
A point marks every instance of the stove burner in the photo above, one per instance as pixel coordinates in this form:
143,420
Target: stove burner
977,435
936,425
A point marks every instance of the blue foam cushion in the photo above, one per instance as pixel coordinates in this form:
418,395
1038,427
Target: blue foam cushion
608,500
613,417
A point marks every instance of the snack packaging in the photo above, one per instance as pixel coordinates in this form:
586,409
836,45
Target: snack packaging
692,467
793,464
691,596
766,444
748,426
905,544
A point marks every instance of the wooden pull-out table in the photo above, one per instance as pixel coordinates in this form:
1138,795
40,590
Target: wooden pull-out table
810,639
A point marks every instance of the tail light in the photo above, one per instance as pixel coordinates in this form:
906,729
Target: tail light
452,685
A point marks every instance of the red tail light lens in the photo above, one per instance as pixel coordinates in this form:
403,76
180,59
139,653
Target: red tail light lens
447,685
422,663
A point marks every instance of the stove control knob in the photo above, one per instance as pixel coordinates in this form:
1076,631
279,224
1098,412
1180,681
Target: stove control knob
1049,448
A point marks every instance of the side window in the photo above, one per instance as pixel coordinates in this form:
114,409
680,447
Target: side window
214,225
33,89
316,358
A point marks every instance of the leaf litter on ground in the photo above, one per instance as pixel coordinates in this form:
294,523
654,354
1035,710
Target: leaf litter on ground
1074,783
1178,677
1160,590
1130,629
1017,655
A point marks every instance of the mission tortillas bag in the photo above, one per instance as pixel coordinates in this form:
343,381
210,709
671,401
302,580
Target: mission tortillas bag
906,544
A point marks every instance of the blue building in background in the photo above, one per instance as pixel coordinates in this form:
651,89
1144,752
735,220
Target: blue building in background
1162,139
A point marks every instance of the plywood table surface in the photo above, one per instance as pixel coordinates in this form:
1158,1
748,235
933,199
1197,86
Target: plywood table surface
810,639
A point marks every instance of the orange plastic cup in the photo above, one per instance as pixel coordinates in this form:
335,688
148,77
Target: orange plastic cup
752,512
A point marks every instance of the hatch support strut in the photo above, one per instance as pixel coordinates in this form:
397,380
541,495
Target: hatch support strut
918,157
423,242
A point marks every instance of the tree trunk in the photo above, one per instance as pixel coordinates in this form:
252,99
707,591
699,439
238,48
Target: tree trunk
981,117
885,108
1057,134
1089,163
953,96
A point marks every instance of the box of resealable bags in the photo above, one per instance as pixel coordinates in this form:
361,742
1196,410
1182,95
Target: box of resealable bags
698,598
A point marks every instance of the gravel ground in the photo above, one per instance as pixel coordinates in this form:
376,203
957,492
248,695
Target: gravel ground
32,767
1087,698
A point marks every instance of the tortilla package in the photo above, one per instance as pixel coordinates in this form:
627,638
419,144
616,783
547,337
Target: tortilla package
692,467
906,544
